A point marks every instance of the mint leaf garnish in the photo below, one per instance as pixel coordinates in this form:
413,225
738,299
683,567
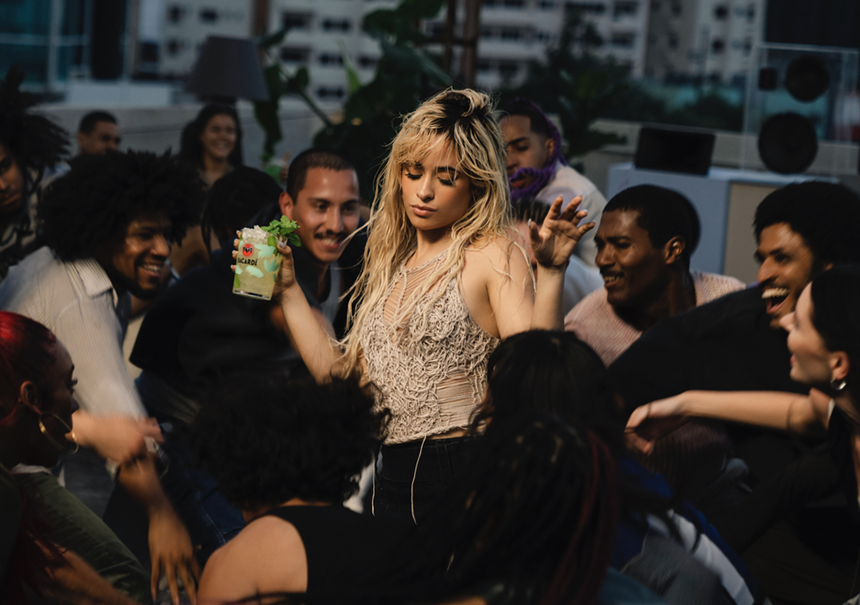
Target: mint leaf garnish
284,229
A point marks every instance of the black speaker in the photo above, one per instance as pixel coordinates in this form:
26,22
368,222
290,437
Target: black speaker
674,150
796,102
787,143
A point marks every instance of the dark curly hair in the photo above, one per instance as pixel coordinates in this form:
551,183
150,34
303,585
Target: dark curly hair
190,147
663,214
233,200
33,141
102,194
535,509
269,439
825,215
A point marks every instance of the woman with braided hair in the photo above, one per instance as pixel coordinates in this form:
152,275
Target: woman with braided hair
443,281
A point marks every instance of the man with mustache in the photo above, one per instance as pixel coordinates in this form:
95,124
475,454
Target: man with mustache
199,331
537,169
644,243
735,343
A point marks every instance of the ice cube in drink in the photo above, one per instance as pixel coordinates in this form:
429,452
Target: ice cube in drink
257,264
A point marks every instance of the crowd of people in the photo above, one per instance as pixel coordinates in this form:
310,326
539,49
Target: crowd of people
487,385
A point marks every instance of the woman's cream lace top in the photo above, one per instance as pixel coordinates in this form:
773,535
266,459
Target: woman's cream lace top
431,374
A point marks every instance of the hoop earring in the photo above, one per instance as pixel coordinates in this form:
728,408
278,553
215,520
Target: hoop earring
51,440
838,385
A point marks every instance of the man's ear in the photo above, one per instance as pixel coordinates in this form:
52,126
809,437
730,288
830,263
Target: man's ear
286,204
674,250
550,146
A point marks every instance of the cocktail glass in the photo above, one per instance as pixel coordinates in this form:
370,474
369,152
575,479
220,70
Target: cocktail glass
257,264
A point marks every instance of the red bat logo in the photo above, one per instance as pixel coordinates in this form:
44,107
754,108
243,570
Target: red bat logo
247,250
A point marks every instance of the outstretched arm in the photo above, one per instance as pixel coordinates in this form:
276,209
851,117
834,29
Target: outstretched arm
769,409
301,323
552,244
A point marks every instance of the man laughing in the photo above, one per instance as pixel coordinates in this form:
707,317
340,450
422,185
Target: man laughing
735,343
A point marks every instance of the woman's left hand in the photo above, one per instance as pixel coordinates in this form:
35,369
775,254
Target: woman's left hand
555,240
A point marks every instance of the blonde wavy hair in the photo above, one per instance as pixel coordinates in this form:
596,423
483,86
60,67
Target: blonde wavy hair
464,119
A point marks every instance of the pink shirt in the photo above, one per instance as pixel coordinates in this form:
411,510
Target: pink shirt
595,323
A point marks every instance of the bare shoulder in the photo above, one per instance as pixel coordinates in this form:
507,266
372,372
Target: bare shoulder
267,556
497,254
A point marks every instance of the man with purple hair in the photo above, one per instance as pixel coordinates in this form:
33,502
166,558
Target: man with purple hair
537,169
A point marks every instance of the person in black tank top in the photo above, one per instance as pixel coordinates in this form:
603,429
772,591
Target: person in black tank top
288,452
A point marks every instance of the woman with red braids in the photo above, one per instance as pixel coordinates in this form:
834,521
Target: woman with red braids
36,406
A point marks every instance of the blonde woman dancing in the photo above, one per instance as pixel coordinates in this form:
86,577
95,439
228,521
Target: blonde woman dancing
443,281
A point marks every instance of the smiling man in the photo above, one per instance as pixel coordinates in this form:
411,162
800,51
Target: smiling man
537,169
644,243
108,224
735,343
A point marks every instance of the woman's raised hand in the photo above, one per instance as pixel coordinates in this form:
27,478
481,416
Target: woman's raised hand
555,240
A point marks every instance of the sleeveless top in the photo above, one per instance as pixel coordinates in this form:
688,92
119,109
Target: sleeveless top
431,372
348,555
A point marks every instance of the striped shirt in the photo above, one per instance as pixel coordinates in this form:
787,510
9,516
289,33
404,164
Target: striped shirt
77,302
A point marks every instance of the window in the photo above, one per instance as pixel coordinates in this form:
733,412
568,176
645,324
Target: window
330,59
367,62
747,46
673,40
330,92
624,9
174,47
491,2
342,25
541,36
514,3
721,12
295,21
718,46
751,13
655,6
622,40
175,13
487,33
208,15
508,70
510,34
294,55
591,8
546,5
483,66
676,9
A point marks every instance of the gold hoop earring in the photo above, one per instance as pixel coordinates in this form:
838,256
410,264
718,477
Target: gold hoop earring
54,442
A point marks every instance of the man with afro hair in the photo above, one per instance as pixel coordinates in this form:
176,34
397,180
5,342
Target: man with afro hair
108,224
31,146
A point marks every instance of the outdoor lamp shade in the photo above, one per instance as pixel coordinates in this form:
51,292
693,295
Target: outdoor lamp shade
227,68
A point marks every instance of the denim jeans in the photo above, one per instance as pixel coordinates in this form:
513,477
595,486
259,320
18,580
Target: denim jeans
433,467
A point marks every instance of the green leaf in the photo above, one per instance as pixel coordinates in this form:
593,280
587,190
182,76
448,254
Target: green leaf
237,283
271,264
271,241
238,269
254,271
352,80
274,39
